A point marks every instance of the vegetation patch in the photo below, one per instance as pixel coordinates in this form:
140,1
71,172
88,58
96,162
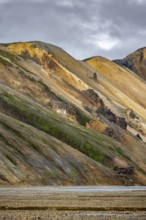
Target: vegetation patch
75,136
10,158
4,62
13,58
2,138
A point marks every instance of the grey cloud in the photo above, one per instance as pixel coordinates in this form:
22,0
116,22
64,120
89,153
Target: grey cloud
83,28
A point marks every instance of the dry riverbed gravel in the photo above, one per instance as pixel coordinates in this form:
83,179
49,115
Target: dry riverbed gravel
51,204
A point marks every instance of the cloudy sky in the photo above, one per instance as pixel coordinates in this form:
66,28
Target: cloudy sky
84,28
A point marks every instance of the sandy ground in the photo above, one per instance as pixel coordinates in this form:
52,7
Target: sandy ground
57,204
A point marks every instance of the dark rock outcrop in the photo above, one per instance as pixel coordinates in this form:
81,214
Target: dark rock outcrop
92,97
122,123
139,137
124,170
110,116
126,63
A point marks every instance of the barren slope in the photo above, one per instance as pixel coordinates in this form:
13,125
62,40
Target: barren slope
124,87
125,81
53,111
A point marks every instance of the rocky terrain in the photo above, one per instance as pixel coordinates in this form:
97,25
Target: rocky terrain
70,122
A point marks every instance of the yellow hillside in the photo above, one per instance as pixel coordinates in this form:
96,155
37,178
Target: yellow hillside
122,84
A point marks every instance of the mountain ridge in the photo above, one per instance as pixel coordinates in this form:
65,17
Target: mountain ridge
136,62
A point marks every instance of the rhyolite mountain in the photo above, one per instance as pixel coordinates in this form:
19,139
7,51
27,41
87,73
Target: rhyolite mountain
135,62
70,122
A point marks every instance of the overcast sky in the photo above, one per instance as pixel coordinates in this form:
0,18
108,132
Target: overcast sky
84,28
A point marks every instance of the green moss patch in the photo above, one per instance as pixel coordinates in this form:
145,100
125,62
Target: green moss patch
13,58
76,136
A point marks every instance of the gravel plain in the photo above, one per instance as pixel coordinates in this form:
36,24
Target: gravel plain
72,203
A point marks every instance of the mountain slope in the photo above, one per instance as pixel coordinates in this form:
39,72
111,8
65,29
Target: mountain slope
31,157
62,123
136,62
118,77
113,80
